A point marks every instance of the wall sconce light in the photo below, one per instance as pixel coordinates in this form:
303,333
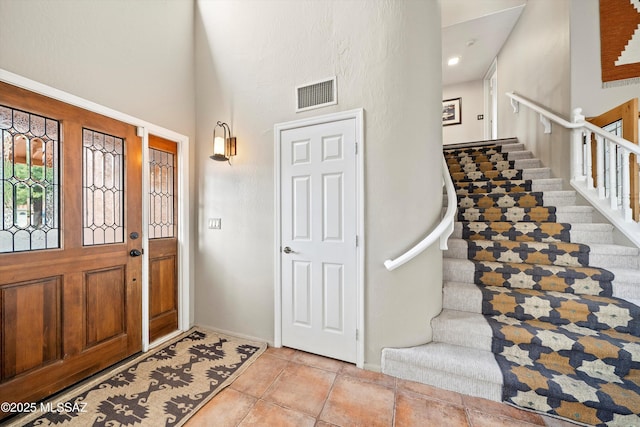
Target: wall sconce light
223,146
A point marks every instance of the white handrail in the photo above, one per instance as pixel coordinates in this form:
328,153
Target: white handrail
612,201
442,230
580,123
541,110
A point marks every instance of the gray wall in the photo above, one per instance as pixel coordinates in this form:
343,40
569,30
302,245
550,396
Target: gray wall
472,104
535,63
386,56
133,56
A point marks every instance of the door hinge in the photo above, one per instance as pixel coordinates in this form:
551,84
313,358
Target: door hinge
357,243
356,148
357,334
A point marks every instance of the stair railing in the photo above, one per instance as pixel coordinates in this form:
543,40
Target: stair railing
610,191
442,231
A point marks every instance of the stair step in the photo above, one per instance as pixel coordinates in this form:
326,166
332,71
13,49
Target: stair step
568,254
598,254
614,256
574,214
520,155
464,329
626,284
546,184
461,296
549,198
591,233
580,233
581,280
463,370
515,214
526,163
472,144
489,175
512,231
508,148
536,173
556,278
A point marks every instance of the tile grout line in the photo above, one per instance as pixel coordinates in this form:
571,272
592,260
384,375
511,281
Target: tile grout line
395,401
333,383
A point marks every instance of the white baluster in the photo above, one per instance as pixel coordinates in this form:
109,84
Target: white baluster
600,166
587,160
626,186
613,181
577,152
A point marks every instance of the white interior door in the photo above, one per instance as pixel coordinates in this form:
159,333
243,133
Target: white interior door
491,102
318,239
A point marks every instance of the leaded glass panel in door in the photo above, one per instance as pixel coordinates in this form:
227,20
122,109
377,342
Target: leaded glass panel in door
161,194
29,177
103,188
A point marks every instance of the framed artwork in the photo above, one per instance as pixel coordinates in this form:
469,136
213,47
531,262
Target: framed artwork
452,111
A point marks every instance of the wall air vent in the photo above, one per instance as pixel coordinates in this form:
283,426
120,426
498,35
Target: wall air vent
316,95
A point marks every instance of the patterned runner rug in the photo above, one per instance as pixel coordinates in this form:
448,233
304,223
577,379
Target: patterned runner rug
164,388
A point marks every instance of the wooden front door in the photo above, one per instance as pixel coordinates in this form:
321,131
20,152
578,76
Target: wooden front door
163,237
70,270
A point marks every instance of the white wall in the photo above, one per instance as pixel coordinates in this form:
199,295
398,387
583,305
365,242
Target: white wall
535,62
386,56
472,104
586,72
133,56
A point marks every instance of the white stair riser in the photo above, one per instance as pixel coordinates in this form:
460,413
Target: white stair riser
468,371
469,331
520,155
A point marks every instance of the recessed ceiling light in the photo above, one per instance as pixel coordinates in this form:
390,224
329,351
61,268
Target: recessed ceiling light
453,60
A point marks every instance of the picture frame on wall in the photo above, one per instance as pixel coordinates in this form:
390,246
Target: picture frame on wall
452,111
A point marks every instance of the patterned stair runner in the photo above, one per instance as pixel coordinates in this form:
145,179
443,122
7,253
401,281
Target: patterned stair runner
565,345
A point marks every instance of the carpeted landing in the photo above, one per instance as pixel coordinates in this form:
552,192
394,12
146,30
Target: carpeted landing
536,297
565,345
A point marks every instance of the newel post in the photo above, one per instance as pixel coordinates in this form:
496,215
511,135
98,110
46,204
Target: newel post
577,172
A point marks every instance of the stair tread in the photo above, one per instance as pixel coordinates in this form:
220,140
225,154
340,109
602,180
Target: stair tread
594,248
450,358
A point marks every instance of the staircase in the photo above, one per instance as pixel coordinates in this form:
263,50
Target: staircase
540,307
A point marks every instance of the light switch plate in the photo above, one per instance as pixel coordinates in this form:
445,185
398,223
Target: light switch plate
215,223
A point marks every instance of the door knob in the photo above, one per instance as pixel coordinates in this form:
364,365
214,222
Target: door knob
135,252
287,250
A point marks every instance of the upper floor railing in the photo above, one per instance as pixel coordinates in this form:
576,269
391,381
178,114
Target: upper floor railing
603,165
442,231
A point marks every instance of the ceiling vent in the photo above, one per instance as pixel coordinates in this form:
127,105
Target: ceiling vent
316,95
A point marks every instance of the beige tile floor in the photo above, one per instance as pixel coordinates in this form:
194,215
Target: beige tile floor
286,387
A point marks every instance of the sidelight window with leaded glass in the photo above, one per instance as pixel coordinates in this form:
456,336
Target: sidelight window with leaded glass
29,177
161,194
